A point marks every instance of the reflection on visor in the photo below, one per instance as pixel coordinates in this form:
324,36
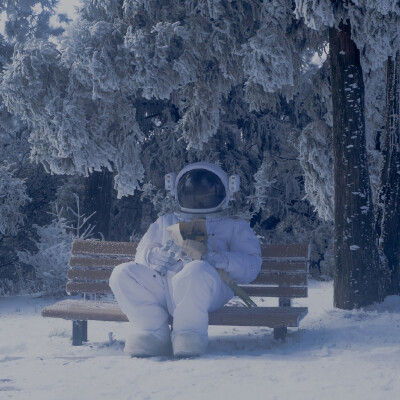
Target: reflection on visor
200,189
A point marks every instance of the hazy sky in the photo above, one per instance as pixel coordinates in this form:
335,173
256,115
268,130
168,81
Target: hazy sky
67,6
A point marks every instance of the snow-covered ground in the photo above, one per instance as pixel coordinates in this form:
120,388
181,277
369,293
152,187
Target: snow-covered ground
335,354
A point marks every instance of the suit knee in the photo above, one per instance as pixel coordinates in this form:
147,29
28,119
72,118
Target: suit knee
196,270
119,274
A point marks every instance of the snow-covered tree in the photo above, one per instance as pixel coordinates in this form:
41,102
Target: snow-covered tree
13,197
184,56
363,34
388,221
22,19
140,88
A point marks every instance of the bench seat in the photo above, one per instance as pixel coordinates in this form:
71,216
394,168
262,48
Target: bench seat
271,317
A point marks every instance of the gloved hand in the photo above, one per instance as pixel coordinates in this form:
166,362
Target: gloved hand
193,248
159,258
217,260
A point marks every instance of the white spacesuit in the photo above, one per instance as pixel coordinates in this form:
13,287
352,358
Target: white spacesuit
162,283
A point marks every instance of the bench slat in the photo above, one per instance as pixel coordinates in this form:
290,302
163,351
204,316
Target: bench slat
293,250
99,247
271,317
96,262
89,274
264,278
267,265
236,316
88,287
267,291
290,267
276,291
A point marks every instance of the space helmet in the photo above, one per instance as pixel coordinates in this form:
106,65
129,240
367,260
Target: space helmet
202,188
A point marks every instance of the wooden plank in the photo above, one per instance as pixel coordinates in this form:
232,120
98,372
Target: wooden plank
85,310
89,274
97,262
271,317
284,266
88,287
236,316
267,265
292,250
262,291
280,279
97,274
275,291
99,247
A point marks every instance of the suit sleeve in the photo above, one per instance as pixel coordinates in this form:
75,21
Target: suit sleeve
244,257
152,238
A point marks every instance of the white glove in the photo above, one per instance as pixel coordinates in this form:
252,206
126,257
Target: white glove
217,260
160,258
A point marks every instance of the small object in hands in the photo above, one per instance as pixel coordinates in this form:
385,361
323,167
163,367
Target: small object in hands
160,259
191,237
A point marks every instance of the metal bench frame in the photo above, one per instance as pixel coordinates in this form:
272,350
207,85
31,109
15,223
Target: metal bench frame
284,275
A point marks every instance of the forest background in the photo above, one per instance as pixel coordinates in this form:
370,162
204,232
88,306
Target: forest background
96,110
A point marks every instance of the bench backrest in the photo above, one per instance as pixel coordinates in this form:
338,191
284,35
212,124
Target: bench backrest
283,275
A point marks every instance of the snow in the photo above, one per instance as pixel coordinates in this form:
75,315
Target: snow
334,354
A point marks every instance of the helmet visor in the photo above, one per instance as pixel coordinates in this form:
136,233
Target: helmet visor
200,189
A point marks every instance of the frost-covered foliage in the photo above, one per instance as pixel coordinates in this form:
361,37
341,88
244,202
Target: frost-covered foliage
50,262
143,87
162,203
79,228
187,56
375,30
282,212
13,197
322,256
53,248
316,13
22,19
374,25
375,109
284,215
316,159
28,18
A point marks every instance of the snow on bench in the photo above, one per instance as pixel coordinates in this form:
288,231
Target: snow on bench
283,276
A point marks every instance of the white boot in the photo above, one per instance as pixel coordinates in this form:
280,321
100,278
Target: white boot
149,343
188,344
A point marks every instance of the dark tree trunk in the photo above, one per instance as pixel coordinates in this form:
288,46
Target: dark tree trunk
356,252
389,196
98,198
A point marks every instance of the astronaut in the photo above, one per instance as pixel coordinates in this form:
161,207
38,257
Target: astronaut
161,283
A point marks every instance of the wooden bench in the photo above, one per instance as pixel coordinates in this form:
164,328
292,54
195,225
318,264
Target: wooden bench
283,276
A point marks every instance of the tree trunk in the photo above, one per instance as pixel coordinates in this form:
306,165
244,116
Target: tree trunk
356,252
98,198
389,196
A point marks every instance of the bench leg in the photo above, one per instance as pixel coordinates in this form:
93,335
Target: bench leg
280,333
79,332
